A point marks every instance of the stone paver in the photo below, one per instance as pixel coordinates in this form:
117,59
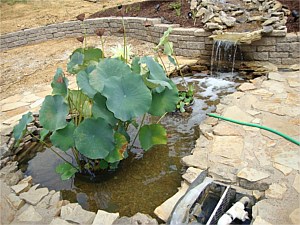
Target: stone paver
263,162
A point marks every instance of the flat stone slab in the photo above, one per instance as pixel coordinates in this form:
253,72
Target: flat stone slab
14,105
284,169
296,183
59,221
230,147
246,87
252,175
73,212
30,215
19,188
288,159
105,218
294,216
164,210
260,221
191,174
33,196
276,191
234,112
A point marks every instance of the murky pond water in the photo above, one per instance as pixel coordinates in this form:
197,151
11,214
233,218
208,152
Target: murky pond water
142,182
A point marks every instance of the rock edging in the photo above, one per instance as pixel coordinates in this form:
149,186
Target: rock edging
277,47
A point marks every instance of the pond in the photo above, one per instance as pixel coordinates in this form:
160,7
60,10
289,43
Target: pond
143,181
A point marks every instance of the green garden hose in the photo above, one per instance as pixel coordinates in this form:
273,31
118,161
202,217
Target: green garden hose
256,125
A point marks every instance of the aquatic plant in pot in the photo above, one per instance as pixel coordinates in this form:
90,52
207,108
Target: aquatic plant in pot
92,121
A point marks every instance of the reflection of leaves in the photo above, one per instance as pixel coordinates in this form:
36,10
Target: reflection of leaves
66,170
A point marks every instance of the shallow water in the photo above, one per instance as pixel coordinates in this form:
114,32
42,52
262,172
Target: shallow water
143,181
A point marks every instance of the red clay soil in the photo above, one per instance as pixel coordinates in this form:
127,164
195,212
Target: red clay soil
150,9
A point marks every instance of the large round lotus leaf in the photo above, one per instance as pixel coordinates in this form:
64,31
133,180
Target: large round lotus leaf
90,54
94,138
165,101
63,138
99,109
156,70
53,113
59,83
119,151
150,135
127,96
106,69
84,85
76,63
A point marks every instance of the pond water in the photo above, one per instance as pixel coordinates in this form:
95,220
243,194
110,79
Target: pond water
143,181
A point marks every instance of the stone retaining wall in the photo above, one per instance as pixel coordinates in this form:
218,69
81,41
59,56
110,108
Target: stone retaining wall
278,48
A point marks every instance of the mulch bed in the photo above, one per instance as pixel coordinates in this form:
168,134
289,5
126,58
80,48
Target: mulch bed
163,9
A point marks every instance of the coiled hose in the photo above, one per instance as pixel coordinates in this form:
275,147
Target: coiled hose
256,125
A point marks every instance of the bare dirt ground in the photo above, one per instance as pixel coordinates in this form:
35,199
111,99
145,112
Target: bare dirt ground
32,67
35,13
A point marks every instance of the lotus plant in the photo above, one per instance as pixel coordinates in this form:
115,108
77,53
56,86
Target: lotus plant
92,121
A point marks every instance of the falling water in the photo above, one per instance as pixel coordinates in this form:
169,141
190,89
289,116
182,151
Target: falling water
223,51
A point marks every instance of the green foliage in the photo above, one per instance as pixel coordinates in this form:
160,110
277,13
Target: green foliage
66,170
94,138
53,113
176,6
112,94
151,135
165,101
63,138
186,98
59,83
127,97
20,129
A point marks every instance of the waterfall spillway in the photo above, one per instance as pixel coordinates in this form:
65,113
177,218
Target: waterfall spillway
223,55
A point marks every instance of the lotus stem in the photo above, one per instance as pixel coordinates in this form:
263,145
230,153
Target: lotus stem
124,41
177,67
51,148
144,116
161,117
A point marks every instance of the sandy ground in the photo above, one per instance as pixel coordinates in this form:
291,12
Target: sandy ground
35,65
35,13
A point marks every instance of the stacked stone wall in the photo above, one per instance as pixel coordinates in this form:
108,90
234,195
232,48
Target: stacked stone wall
279,48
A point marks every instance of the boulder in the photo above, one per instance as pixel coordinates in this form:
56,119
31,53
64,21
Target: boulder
229,21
